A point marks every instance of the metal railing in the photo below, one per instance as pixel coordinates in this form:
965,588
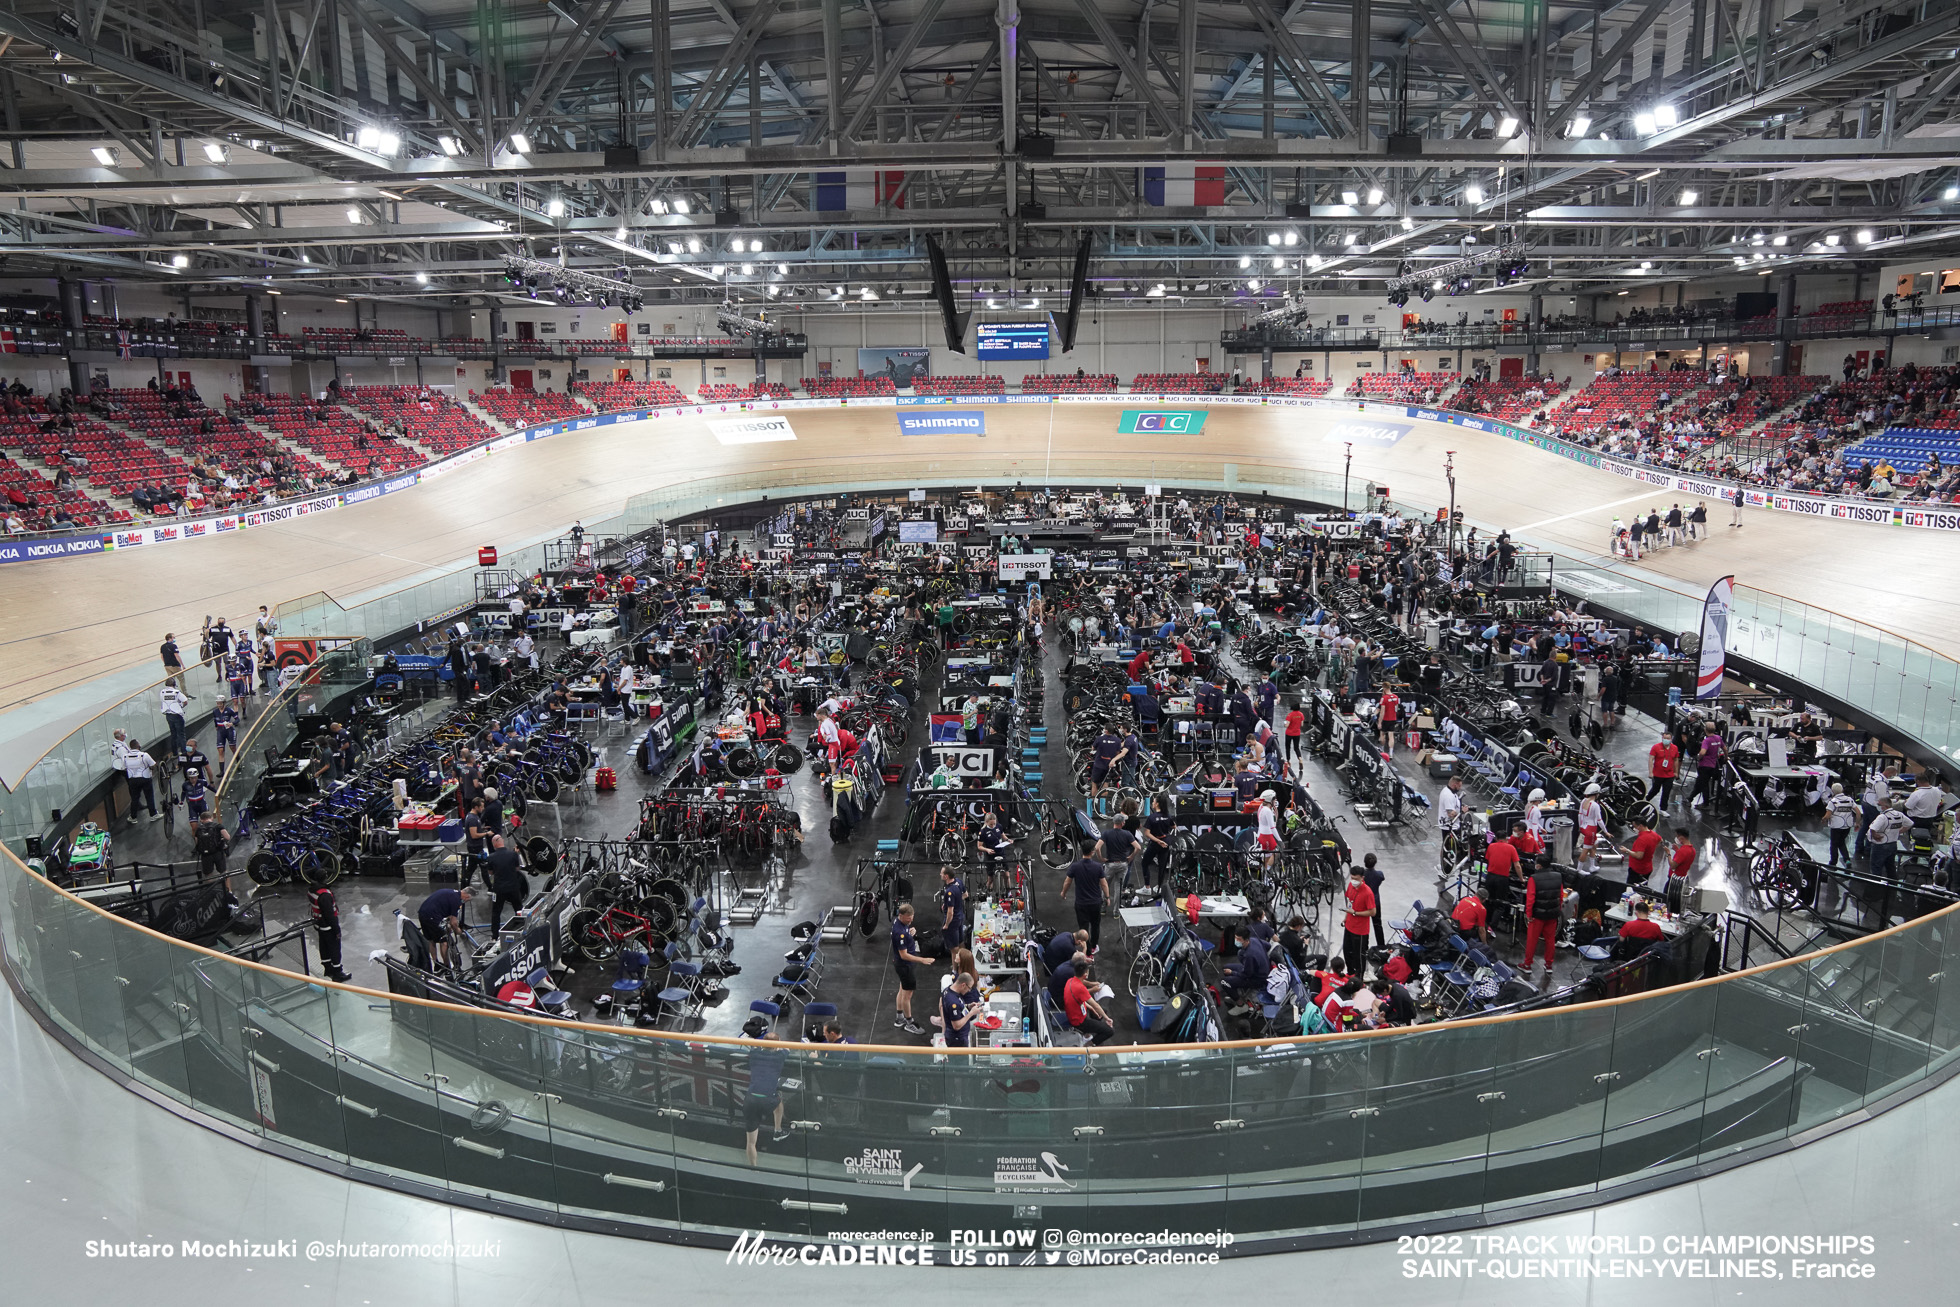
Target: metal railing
1332,1137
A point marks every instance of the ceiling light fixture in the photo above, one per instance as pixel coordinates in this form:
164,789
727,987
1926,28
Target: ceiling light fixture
1374,195
1689,197
1865,236
1580,125
449,145
1665,116
1292,238
1350,198
1273,238
657,206
180,261
1951,194
520,143
1507,127
1473,194
555,207
215,152
1408,223
104,155
354,215
680,207
1245,260
421,278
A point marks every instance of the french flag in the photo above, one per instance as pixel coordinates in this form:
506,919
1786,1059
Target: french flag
857,188
1184,185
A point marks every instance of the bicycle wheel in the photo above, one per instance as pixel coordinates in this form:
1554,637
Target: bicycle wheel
544,787
788,759
319,867
1057,849
265,868
742,762
539,853
952,849
589,936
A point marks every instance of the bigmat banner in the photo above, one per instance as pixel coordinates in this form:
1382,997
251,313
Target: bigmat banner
1930,517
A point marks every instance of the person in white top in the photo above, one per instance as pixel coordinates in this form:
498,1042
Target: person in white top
1268,819
1841,818
1534,813
1878,797
1449,805
1592,820
525,651
173,701
826,728
1923,804
140,767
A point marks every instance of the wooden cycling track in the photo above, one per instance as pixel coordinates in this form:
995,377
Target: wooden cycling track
75,619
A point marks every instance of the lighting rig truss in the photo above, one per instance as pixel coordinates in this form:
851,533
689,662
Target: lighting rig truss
569,285
1289,312
730,320
1506,262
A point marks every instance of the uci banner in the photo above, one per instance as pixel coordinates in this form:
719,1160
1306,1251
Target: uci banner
1162,421
1715,637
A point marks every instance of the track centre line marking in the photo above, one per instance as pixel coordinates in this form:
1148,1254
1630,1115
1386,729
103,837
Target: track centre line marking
1630,499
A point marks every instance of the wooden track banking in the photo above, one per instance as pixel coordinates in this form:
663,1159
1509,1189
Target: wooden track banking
75,619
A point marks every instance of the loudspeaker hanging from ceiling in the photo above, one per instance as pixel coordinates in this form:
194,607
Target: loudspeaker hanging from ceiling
1078,289
942,291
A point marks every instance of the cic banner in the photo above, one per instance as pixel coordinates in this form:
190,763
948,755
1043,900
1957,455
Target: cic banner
1715,637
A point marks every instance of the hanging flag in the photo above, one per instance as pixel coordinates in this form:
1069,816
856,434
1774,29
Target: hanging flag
857,188
122,345
1715,637
1183,185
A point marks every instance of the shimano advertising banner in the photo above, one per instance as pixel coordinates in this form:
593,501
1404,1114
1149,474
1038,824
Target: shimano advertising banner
943,422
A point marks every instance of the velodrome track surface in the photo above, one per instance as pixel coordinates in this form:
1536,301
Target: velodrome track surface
71,620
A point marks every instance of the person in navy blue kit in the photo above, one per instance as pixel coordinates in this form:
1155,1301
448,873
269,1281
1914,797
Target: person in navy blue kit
1115,849
1149,711
1268,698
196,796
1211,699
1131,758
1091,885
1063,947
438,913
906,960
1102,751
1059,978
1247,976
993,843
765,1096
1243,713
1157,830
1372,874
957,1008
224,720
952,931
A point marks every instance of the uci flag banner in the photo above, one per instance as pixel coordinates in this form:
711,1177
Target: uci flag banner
1715,637
1183,185
857,188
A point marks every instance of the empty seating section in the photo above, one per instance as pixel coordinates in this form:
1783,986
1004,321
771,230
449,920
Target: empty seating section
332,432
1508,399
1907,448
848,387
959,385
523,408
117,463
1405,387
35,500
1608,399
1180,383
346,340
1841,313
1069,383
1286,386
230,446
613,396
435,422
722,392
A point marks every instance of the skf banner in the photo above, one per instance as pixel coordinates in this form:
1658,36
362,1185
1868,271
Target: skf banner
1715,637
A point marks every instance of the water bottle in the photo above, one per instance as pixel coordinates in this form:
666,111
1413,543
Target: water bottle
1026,1031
